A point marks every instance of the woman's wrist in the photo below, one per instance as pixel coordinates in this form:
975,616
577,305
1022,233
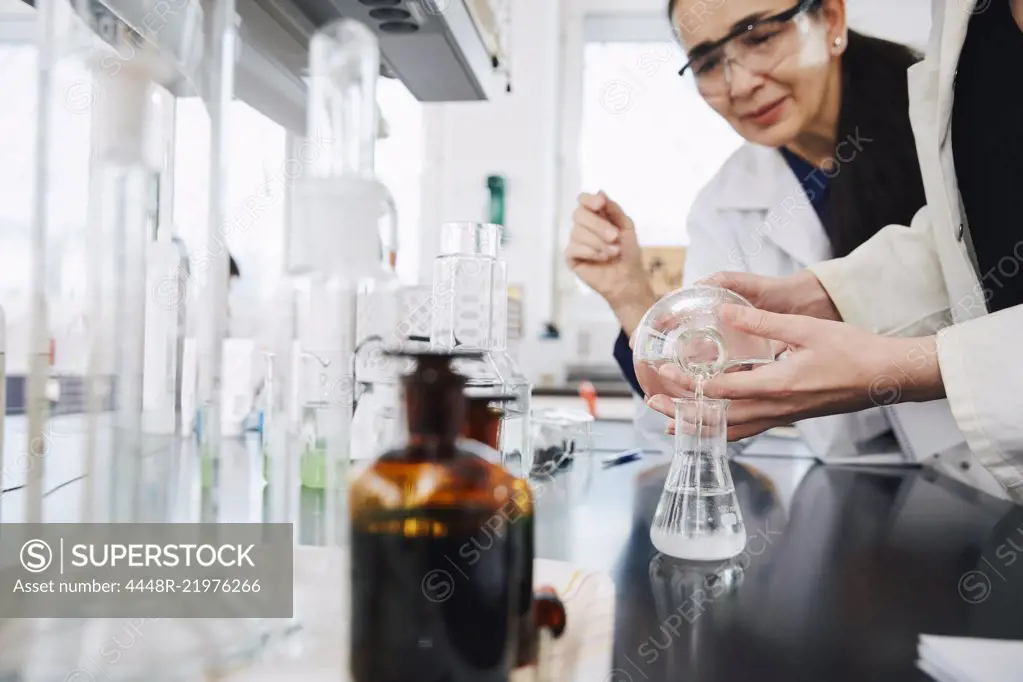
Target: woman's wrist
631,304
909,371
813,298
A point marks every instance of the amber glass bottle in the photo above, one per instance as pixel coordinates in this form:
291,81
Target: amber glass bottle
483,419
484,425
436,556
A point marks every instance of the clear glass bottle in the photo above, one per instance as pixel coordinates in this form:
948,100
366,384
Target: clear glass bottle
377,399
462,288
516,436
336,250
424,516
333,242
698,516
470,304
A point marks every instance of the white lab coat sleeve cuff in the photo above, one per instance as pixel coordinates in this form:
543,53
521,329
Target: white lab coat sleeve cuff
984,384
892,284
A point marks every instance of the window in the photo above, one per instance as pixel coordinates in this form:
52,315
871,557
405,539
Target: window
67,184
640,133
255,165
648,139
257,170
17,167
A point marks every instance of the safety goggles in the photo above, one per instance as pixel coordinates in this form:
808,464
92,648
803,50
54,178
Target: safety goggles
758,47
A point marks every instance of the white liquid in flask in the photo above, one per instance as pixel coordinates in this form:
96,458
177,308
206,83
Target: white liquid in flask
698,516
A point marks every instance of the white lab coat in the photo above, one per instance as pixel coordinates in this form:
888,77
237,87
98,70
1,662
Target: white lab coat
930,265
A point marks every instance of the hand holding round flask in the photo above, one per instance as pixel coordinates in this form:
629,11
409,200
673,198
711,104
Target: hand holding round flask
685,328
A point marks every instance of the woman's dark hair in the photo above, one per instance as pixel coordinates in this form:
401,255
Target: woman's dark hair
877,182
881,184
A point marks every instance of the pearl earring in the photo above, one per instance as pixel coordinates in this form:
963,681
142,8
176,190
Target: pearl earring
838,41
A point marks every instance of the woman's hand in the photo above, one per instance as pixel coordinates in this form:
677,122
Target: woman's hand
829,368
604,253
799,294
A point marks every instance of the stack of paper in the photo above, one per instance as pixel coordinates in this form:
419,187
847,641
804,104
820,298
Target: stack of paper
964,659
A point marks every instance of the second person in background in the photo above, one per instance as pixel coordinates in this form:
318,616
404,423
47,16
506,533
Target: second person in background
829,160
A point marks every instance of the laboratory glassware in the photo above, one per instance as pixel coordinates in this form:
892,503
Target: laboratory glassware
463,287
167,273
333,249
124,482
121,223
421,511
377,391
483,421
698,516
218,91
685,328
469,311
562,442
415,310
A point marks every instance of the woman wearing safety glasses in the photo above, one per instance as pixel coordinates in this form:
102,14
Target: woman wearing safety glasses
830,159
932,310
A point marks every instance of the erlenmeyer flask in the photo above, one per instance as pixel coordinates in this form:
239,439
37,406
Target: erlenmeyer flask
698,516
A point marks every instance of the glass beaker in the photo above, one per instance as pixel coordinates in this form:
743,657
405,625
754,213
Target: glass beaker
562,442
698,516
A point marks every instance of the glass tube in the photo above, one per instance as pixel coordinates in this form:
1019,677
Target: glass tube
125,186
222,48
122,225
377,400
51,19
281,469
323,258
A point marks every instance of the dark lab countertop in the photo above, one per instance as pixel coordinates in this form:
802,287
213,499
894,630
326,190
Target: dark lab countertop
835,584
844,567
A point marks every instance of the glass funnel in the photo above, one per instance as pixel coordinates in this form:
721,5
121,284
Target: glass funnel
685,328
698,516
